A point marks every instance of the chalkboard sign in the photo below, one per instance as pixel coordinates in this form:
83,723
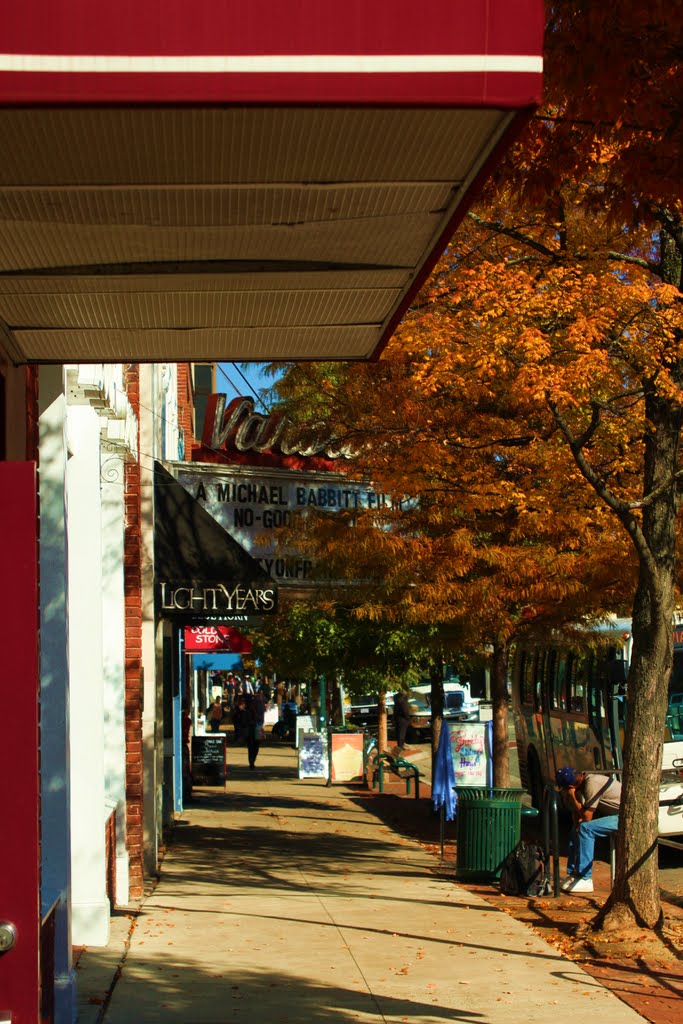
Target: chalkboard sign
208,760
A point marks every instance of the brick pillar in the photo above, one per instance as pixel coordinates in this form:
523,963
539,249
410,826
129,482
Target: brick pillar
133,633
186,409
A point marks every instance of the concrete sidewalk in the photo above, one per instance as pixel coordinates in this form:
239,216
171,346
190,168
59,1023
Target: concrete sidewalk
283,902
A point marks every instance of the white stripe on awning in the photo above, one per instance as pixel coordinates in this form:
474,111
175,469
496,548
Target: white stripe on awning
420,63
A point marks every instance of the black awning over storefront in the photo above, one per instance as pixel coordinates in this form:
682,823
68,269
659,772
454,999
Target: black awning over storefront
200,571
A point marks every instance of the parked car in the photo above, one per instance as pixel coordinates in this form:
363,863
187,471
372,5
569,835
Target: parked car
364,714
458,705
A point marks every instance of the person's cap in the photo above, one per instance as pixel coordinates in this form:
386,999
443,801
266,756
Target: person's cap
566,776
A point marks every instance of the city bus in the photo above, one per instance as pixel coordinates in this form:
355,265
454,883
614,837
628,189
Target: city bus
568,704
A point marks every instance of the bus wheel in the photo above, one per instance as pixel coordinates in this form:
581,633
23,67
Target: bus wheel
535,779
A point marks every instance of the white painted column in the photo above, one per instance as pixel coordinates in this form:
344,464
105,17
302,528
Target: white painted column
55,811
152,715
113,651
90,906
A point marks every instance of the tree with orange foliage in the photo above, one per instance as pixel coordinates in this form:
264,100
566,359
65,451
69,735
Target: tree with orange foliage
467,546
548,344
611,125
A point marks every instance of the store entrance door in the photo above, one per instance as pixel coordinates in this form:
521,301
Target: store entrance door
20,909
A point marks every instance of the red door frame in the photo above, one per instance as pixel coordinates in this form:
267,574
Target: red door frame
19,692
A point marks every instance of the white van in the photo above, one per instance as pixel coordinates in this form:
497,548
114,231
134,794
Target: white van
458,703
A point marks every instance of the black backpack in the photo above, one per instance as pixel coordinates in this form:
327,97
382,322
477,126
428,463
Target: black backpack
524,871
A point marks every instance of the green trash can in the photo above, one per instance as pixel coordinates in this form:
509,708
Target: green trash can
488,826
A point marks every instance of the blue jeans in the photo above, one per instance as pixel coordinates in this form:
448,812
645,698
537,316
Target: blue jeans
582,844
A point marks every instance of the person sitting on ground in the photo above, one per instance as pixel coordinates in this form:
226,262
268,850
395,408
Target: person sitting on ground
594,801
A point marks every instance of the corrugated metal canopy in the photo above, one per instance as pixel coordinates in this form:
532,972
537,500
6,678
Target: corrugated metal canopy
261,227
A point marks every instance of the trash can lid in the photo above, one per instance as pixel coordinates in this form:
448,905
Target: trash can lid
514,795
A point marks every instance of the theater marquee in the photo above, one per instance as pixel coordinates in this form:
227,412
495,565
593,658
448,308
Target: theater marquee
251,503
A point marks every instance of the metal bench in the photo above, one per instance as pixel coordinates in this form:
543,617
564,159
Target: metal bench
401,768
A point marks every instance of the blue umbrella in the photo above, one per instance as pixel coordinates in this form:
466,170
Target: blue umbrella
444,775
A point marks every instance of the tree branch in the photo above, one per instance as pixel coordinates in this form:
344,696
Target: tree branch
620,257
512,233
587,435
622,509
658,491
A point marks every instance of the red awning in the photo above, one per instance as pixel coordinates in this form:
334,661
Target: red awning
205,180
455,52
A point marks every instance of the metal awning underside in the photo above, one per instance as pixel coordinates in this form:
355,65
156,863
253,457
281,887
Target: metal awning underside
241,209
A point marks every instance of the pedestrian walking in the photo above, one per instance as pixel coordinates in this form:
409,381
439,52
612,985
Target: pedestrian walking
254,723
214,714
279,698
240,720
401,719
186,750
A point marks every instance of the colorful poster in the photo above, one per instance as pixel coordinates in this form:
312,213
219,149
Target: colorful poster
313,756
347,756
468,744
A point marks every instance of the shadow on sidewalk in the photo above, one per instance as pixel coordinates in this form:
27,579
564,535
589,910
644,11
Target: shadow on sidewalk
176,989
319,836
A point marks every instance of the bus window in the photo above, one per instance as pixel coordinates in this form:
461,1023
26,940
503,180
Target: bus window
548,677
578,683
674,715
542,659
558,693
527,677
596,710
521,668
676,680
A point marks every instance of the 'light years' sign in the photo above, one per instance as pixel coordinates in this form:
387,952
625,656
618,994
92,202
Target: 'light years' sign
218,599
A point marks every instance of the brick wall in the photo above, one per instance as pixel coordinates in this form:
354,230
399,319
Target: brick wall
133,655
186,407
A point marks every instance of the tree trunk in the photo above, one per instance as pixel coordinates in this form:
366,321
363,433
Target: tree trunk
336,706
635,898
436,702
499,695
382,739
